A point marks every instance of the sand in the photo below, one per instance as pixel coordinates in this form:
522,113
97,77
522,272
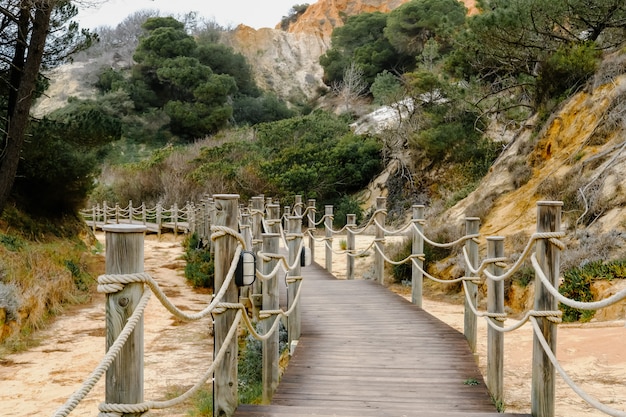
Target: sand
38,381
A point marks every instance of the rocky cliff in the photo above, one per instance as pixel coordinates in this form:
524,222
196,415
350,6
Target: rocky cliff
287,62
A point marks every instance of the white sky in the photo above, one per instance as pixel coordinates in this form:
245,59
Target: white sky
254,13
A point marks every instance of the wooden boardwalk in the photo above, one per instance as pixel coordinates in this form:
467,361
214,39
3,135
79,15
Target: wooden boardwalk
365,351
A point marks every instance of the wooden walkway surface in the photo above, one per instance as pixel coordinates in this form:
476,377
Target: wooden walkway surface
365,351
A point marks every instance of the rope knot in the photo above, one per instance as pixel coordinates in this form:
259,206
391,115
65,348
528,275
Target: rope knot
112,283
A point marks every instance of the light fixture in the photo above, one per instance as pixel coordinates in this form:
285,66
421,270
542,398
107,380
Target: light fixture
245,273
305,256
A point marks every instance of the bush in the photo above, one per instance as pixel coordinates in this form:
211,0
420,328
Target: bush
577,285
200,268
568,68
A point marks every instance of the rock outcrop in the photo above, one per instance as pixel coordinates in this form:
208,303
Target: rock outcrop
287,62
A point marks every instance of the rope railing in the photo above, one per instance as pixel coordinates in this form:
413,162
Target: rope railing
114,283
492,271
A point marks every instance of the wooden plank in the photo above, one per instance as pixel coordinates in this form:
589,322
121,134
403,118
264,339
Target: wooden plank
365,351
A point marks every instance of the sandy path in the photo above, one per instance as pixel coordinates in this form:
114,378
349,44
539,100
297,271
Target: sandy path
37,382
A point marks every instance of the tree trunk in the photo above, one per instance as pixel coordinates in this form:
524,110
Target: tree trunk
25,73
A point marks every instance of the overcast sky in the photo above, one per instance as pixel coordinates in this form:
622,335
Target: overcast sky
254,13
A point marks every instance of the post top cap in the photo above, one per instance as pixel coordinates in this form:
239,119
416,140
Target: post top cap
549,203
124,228
225,196
495,238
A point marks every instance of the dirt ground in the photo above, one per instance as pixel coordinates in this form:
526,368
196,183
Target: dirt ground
38,381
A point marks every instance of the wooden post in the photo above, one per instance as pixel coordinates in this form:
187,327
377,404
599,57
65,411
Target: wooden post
328,243
270,302
130,211
159,218
294,278
379,260
311,217
258,206
495,339
225,385
105,211
297,206
117,213
94,217
548,257
144,214
472,227
350,246
245,227
417,276
273,218
124,255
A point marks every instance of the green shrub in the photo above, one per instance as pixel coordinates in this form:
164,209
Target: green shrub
577,285
200,268
568,68
402,272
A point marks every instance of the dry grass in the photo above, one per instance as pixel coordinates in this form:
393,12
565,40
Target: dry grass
46,277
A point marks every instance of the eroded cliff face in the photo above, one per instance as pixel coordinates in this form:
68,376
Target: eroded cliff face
282,62
287,62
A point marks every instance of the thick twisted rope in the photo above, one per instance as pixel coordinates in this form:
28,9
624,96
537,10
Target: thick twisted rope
553,237
494,320
595,305
108,359
442,245
156,405
362,252
389,232
582,394
435,279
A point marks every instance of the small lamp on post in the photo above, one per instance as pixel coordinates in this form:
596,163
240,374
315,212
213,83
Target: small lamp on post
305,256
245,273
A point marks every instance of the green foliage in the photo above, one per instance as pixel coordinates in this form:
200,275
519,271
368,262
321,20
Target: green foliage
200,268
317,155
294,13
223,60
577,285
56,176
565,70
402,272
411,25
362,41
11,242
342,207
255,110
386,88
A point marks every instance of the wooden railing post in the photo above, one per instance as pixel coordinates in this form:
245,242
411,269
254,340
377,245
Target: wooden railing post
225,385
273,218
159,218
124,255
130,211
294,278
144,214
258,207
328,242
297,206
548,257
174,214
379,260
350,245
495,339
417,276
245,227
270,302
105,210
311,218
94,216
472,227
117,213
